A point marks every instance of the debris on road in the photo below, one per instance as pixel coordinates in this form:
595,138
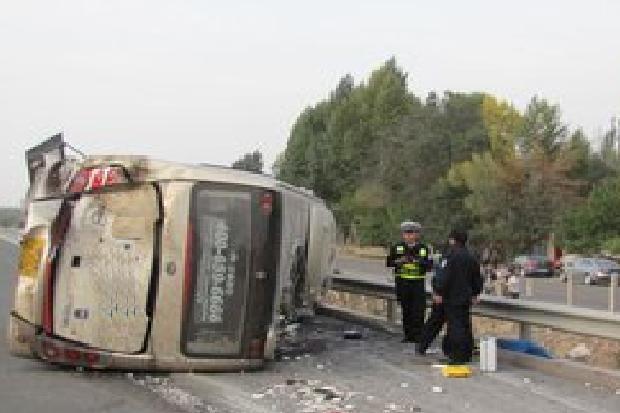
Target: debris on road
456,371
352,335
527,380
310,396
291,329
164,388
437,389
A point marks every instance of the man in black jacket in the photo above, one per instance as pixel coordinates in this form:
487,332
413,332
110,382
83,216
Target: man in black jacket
437,318
456,291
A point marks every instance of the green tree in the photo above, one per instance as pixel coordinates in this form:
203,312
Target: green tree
594,225
378,154
252,162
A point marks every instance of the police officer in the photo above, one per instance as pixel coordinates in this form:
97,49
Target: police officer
456,291
410,260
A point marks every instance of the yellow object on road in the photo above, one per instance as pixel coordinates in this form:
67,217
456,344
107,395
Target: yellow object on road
456,371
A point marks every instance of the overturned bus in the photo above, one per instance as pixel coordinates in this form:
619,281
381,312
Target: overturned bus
132,263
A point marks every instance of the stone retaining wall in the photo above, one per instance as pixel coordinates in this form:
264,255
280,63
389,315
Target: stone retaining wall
602,352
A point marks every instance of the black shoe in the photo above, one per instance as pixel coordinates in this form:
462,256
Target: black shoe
419,351
457,363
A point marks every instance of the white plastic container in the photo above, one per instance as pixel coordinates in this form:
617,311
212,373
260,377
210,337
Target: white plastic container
488,354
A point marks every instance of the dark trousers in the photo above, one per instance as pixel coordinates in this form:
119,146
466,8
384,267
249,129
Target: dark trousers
432,327
412,298
459,340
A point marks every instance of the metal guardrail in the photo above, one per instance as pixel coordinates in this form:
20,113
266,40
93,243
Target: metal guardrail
526,313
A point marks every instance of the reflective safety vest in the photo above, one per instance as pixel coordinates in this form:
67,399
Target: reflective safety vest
411,270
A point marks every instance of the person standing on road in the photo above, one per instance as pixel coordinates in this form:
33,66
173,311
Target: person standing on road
410,260
457,290
437,318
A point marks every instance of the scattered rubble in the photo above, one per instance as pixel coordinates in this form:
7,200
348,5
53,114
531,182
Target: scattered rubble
311,396
291,329
163,387
579,353
352,335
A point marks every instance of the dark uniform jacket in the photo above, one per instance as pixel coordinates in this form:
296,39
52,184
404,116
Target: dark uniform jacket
461,279
439,274
415,256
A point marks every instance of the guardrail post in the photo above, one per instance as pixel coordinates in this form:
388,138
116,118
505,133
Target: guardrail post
391,311
613,283
525,331
528,287
569,288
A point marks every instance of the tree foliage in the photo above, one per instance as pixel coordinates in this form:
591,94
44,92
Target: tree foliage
594,225
378,154
252,162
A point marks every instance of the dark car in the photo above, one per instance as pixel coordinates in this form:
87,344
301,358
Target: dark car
533,266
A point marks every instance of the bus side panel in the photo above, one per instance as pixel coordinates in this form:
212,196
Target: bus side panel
104,270
295,210
321,248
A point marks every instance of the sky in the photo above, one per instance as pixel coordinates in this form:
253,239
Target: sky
206,81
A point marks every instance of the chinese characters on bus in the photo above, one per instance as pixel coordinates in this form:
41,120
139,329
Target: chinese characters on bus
217,280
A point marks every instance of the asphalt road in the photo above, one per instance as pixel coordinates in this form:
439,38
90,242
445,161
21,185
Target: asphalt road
320,371
28,386
543,289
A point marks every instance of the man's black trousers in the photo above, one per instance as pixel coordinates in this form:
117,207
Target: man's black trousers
412,297
432,327
459,340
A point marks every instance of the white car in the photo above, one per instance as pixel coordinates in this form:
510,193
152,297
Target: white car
589,271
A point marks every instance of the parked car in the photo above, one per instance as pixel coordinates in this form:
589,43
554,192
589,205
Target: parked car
590,271
533,266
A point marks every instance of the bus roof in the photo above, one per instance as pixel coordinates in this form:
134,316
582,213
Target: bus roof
145,169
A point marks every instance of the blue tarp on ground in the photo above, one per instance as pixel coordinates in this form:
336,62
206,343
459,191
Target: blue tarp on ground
524,346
